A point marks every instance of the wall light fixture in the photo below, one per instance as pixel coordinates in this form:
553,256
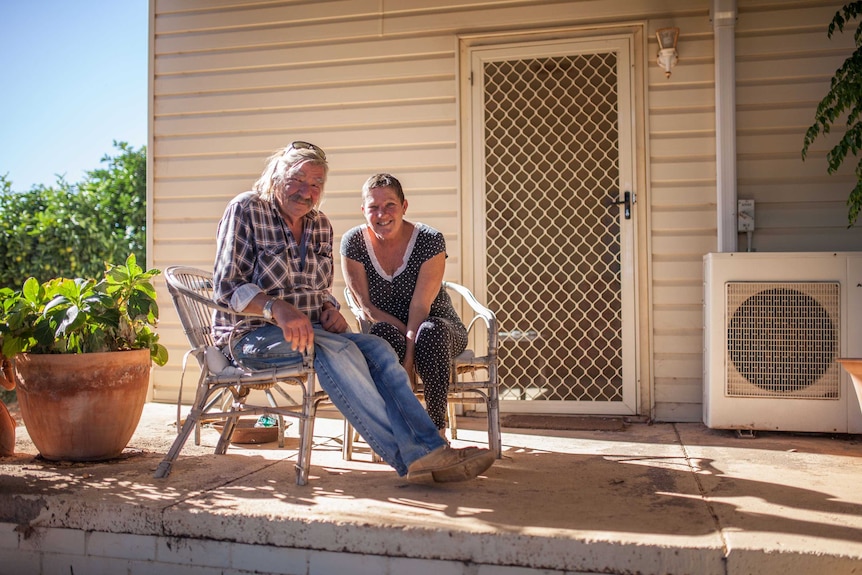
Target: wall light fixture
667,54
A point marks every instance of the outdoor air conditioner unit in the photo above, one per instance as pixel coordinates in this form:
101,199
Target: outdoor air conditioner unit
774,325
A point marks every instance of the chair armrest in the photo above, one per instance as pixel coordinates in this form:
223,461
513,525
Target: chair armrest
481,313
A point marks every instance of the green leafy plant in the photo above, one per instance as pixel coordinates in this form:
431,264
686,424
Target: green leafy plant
83,315
844,97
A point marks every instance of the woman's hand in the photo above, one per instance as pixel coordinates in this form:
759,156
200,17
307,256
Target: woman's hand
332,321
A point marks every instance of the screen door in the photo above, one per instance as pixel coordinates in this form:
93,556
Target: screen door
552,146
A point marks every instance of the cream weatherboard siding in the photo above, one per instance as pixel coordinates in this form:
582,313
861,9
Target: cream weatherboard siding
379,85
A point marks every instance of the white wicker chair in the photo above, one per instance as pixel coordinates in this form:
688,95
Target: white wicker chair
223,387
466,385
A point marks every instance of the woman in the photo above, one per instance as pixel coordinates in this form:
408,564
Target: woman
394,268
274,258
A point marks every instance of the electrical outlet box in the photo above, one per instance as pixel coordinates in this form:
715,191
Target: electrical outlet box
745,215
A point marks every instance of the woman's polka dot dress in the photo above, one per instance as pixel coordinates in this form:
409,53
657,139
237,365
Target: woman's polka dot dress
440,337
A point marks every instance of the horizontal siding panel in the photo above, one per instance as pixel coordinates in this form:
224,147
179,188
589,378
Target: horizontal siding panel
173,7
688,343
208,167
687,71
261,67
679,365
813,170
678,269
407,90
173,339
208,13
671,245
266,34
185,230
189,209
827,189
696,170
678,121
693,220
803,64
303,22
391,136
777,115
666,196
305,105
668,294
297,80
252,80
677,316
784,164
312,119
679,391
776,141
204,188
759,17
811,34
682,145
699,95
784,92
199,256
194,168
813,240
678,412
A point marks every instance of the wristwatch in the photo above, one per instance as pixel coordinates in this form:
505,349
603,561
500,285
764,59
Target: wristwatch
267,309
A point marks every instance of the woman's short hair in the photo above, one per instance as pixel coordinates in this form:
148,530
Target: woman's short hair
383,180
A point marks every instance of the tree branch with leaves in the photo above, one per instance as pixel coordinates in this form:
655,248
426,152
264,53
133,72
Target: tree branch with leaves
844,98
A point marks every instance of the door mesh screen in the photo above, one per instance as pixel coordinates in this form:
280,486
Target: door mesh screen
551,169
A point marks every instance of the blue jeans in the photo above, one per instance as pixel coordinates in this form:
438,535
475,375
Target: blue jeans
365,381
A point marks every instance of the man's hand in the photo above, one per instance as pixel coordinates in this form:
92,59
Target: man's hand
295,325
332,321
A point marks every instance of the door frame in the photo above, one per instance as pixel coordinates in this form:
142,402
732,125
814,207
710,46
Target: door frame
472,201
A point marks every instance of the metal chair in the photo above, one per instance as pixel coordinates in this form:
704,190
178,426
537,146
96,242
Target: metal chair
466,386
224,386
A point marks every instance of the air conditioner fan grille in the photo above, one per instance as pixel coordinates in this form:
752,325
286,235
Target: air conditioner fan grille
782,340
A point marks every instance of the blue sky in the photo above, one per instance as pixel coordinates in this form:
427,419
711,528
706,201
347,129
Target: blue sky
73,78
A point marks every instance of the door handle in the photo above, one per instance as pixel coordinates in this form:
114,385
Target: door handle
627,201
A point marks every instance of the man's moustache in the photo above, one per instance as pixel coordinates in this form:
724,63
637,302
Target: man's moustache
299,199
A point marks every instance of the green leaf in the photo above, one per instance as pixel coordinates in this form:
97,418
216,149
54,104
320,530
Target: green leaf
32,290
159,354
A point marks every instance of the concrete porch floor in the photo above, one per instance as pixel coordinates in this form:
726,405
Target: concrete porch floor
662,498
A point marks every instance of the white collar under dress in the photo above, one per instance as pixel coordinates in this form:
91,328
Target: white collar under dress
410,245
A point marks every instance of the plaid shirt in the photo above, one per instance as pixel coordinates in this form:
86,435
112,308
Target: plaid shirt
256,247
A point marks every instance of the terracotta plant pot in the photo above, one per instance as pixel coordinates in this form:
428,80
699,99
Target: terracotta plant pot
82,407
